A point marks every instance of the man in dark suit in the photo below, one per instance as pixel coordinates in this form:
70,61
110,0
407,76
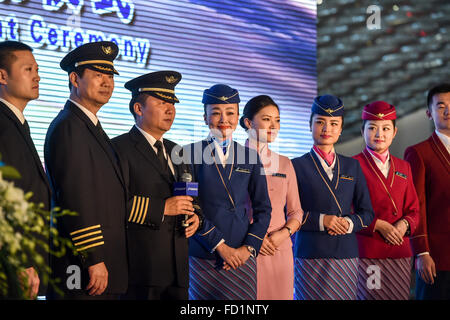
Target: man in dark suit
19,84
430,166
157,242
85,177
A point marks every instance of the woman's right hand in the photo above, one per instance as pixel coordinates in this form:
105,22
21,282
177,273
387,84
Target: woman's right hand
335,225
230,256
267,248
390,233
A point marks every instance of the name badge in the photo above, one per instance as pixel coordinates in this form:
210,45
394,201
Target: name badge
243,170
404,176
281,175
344,177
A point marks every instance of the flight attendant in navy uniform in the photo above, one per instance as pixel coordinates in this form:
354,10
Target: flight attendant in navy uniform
336,204
223,251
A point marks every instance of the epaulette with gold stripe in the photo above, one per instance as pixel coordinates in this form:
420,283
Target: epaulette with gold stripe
87,238
139,209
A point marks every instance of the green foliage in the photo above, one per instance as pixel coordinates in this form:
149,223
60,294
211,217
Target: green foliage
26,230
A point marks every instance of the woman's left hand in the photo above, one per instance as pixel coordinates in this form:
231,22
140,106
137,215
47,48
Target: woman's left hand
400,225
277,237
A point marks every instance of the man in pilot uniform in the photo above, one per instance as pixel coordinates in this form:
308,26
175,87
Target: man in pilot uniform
85,177
157,241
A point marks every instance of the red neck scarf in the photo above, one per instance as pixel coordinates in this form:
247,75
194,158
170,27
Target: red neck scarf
328,157
380,156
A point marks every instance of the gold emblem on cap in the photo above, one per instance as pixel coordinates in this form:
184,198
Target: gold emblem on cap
222,98
171,79
380,115
107,50
331,111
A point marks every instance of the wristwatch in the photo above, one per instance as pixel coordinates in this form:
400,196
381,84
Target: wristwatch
408,229
252,251
289,230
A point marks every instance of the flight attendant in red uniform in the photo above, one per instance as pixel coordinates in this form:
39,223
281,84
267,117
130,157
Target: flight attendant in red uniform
384,270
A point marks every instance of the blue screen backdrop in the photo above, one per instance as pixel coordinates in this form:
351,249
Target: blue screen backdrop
255,46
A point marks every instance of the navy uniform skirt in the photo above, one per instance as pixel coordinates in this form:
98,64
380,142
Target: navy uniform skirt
208,281
325,279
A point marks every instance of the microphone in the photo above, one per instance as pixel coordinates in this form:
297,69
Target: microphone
186,187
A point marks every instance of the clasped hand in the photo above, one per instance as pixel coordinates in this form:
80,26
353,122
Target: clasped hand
392,234
335,225
233,258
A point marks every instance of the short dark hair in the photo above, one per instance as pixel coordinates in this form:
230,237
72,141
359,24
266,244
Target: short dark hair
7,56
253,106
365,121
440,88
140,98
312,115
80,72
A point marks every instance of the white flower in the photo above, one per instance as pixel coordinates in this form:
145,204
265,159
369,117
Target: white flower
13,194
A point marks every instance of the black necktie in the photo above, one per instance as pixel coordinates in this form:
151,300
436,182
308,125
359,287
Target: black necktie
160,154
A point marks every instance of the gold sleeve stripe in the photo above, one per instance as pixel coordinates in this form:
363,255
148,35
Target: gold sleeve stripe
420,235
141,211
254,235
137,209
91,246
86,235
85,229
208,231
88,240
132,208
306,218
141,221
362,224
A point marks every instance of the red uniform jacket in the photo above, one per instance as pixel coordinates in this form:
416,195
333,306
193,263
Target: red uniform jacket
430,164
393,198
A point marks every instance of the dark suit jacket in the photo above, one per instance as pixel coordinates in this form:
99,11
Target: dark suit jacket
158,250
345,196
18,150
224,194
85,177
430,166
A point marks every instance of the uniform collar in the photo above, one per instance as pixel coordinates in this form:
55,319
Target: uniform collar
90,115
322,161
149,137
444,139
15,110
376,157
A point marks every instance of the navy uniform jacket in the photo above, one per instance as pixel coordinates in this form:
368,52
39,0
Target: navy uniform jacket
157,245
85,177
18,150
346,196
223,193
